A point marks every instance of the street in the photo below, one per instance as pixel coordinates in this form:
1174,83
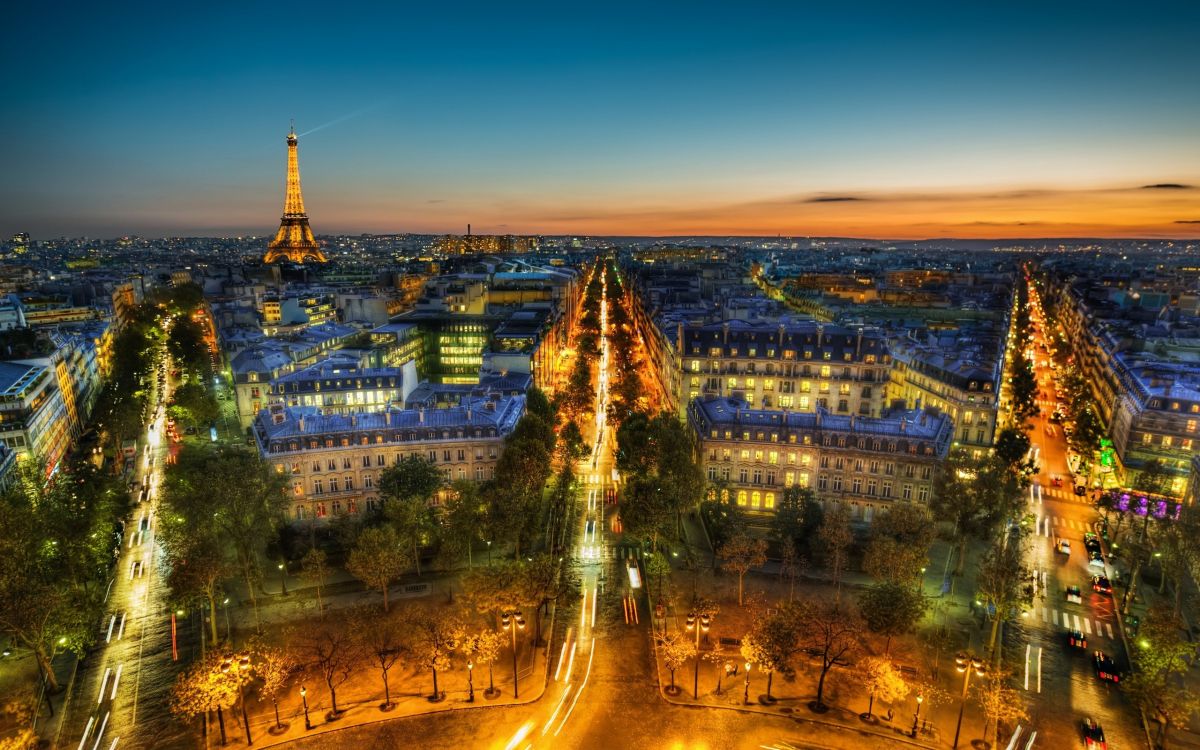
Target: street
1060,678
121,690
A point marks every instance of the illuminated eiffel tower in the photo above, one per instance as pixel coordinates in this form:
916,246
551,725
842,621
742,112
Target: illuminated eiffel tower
294,241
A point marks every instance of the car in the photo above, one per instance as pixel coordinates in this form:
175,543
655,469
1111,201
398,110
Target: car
1106,669
1096,560
1091,542
1063,546
1076,639
1093,735
1056,481
1101,584
1081,489
1074,595
1056,417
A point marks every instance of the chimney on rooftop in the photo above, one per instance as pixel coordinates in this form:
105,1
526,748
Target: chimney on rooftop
301,423
387,417
421,414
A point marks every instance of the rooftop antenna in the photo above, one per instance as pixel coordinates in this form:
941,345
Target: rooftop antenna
293,126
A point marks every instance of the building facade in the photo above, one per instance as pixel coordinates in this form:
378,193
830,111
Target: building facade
865,463
334,461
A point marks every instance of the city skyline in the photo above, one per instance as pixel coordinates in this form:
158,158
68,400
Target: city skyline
924,123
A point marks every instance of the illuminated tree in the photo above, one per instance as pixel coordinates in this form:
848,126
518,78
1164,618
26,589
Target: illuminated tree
483,647
891,609
1000,703
315,569
204,687
275,668
833,636
880,678
676,649
432,636
899,546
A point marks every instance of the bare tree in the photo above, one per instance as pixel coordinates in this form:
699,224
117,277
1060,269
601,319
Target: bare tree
325,649
833,636
380,637
740,554
836,536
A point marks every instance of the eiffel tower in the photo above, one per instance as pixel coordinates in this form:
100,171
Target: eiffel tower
294,241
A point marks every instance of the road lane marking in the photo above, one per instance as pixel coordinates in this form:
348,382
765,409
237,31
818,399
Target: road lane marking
1108,627
1076,617
1087,626
1045,615
1028,648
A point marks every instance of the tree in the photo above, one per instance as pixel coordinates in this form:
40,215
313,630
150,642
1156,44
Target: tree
381,638
740,554
463,515
1168,700
407,487
836,536
411,478
676,649
496,589
432,636
1024,390
635,445
999,702
1004,584
193,404
773,641
483,647
899,547
325,649
791,566
202,688
314,568
1012,445
797,517
571,443
880,678
378,559
275,667
833,636
235,494
891,609
197,563
966,494
646,510
516,494
1154,478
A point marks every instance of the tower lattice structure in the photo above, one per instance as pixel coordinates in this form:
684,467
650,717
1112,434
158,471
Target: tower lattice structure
294,241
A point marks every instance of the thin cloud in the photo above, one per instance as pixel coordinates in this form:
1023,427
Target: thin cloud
436,200
834,199
1188,221
1166,186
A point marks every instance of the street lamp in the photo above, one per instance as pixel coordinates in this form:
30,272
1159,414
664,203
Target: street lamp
304,697
239,666
282,579
746,690
471,681
513,621
917,714
966,665
699,623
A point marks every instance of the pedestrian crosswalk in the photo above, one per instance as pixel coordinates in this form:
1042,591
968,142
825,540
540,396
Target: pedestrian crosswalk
1071,621
1039,493
604,552
1051,526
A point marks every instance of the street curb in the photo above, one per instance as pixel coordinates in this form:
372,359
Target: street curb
383,718
1129,655
895,737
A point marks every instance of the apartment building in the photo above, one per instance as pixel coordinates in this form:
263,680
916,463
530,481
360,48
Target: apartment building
863,462
791,364
334,460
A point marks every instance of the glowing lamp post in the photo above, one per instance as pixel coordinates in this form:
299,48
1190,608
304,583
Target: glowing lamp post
966,665
699,623
513,621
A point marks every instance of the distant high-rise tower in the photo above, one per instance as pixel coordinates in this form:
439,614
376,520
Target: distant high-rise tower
294,241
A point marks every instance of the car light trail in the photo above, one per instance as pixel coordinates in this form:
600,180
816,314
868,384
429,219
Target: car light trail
117,679
582,685
86,731
521,734
583,611
100,731
562,656
594,598
557,708
103,685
